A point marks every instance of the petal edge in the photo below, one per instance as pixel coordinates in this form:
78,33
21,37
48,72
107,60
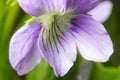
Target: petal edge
92,39
22,48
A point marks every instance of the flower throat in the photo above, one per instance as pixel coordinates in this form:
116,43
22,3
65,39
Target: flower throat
55,25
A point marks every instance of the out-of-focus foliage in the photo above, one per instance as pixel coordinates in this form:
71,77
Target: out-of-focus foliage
12,18
105,73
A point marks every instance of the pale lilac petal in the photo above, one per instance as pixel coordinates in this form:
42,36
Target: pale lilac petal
93,41
58,50
37,7
82,6
34,7
79,77
59,5
102,11
24,54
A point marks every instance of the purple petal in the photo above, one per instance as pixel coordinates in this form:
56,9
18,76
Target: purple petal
58,49
24,54
102,11
82,6
37,7
93,41
79,77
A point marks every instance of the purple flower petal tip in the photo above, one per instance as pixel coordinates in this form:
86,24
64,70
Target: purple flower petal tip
98,13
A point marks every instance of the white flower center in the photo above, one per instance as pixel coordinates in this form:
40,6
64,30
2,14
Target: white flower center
55,24
61,18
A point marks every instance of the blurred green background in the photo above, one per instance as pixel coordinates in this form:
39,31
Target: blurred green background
12,18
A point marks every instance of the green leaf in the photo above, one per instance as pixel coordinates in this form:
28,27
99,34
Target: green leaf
9,21
105,73
41,72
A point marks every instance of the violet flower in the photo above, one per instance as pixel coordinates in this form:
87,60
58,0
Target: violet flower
59,29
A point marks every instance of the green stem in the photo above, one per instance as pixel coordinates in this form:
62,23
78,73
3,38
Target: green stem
9,22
